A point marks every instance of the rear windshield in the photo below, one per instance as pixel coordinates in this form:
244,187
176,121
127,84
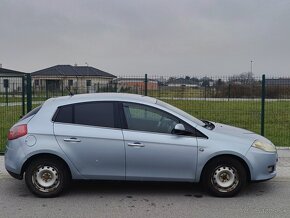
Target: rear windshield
32,112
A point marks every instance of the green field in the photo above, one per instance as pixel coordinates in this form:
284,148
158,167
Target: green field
244,114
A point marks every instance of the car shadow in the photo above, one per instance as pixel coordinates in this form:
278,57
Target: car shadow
135,188
129,188
140,189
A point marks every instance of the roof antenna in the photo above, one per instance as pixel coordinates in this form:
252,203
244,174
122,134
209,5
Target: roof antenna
59,71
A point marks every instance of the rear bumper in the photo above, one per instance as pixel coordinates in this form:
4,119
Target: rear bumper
13,161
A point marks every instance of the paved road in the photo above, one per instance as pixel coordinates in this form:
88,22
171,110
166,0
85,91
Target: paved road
116,199
18,103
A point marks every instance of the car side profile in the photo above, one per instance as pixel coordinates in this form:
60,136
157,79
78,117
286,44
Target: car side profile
114,136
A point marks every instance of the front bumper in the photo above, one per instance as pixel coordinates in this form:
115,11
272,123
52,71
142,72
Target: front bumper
14,175
262,164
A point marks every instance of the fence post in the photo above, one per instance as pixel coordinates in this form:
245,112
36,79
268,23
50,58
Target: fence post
145,84
229,92
263,105
6,95
23,95
28,92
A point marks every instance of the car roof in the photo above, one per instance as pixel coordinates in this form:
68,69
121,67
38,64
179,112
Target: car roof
101,97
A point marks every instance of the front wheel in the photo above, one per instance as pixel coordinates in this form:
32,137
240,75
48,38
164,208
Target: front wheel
47,177
224,177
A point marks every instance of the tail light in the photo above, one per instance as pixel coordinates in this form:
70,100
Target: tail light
17,131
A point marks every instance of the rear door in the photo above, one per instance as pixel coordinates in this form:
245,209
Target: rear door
90,135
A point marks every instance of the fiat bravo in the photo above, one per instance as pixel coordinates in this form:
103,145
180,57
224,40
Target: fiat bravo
111,136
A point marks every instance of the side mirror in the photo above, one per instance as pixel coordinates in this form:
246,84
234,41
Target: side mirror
178,129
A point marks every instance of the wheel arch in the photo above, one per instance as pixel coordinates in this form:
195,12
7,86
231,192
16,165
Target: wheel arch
44,155
241,160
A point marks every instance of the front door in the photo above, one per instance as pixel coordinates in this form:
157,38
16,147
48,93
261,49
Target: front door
152,151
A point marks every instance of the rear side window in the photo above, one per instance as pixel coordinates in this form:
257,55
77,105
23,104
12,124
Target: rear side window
94,114
65,114
91,113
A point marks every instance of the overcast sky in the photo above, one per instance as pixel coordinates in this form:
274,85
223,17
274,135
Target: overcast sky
158,37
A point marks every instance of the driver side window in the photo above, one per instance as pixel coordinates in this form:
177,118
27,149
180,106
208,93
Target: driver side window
146,118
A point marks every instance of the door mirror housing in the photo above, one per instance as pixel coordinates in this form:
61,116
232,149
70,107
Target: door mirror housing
179,129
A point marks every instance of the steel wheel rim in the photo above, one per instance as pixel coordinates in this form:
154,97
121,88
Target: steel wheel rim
225,178
46,178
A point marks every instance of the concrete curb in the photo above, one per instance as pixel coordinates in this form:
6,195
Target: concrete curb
283,148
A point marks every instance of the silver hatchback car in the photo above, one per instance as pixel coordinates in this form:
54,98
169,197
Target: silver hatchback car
112,136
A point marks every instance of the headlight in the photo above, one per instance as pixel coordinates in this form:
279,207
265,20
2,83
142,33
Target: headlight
264,146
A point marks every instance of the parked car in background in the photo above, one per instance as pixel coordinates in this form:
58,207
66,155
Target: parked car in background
111,136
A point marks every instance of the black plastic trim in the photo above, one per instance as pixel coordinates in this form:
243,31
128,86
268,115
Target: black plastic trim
15,175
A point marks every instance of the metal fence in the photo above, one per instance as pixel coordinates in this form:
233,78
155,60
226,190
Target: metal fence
259,104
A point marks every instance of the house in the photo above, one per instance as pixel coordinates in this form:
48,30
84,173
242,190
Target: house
11,81
182,82
77,78
135,83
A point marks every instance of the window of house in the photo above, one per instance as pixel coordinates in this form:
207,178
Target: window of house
89,82
70,82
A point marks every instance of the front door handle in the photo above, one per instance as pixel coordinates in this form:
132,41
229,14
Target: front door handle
72,140
136,144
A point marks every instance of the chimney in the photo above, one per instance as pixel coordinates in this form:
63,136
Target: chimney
0,65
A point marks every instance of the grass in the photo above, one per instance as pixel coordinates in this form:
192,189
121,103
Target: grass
179,92
9,115
244,114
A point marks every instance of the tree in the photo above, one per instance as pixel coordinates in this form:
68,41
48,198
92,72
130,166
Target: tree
243,78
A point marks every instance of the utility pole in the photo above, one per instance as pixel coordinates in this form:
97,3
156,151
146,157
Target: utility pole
252,66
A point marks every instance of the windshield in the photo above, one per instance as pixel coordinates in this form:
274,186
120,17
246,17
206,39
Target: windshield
180,112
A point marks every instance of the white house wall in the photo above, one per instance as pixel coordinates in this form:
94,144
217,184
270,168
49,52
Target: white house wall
77,81
15,84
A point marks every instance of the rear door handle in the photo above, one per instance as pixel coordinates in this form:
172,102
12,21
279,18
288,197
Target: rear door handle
72,140
136,144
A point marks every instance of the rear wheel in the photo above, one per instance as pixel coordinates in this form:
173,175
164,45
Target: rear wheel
224,177
47,177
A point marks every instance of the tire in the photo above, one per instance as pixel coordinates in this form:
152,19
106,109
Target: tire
224,177
47,177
